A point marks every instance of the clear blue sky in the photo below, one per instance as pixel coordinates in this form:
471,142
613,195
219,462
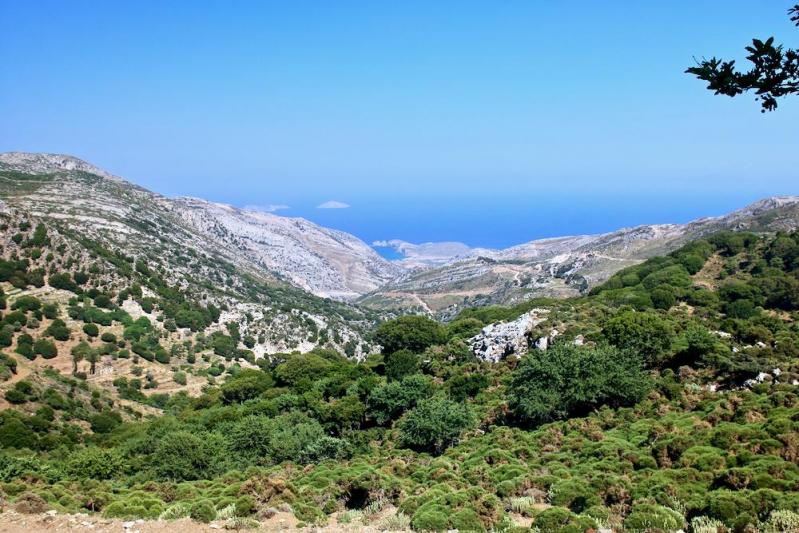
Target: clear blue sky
468,117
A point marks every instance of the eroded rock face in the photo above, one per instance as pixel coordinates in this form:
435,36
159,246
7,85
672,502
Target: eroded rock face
504,339
322,261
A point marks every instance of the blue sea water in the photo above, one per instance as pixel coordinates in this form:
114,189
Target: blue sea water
500,222
389,253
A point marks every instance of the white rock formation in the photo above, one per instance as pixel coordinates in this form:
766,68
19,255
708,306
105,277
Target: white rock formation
501,340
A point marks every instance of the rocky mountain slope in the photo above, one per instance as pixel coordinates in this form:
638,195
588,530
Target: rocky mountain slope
200,252
322,261
194,237
560,267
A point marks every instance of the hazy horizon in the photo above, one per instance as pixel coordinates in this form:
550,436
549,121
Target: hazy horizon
492,125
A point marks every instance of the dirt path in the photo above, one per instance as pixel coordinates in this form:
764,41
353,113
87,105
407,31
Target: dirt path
13,522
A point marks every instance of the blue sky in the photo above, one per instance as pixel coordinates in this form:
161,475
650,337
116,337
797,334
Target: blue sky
485,122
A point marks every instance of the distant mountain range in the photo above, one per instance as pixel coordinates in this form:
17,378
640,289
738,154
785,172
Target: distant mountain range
557,267
438,278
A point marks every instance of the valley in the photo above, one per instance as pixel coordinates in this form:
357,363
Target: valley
189,364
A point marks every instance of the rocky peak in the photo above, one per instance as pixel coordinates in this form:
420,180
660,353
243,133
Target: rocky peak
43,163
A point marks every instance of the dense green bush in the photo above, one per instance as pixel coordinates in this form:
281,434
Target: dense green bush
202,511
95,463
62,281
184,456
400,364
644,333
389,401
413,333
45,348
58,330
91,330
26,304
246,385
435,424
562,520
569,380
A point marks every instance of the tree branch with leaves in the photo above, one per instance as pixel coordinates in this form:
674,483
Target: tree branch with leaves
774,73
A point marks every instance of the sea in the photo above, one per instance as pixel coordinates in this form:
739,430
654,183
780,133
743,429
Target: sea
500,222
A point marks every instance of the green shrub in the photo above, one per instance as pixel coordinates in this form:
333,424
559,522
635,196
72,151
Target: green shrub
105,422
202,511
574,494
644,333
94,463
58,330
15,397
27,303
25,350
569,380
15,434
462,386
435,424
400,364
388,402
431,518
162,356
135,506
663,297
245,506
54,399
413,333
185,456
646,517
246,385
289,437
50,311
562,520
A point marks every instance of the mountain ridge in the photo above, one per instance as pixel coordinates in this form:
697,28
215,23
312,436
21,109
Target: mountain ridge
562,266
434,278
325,262
142,236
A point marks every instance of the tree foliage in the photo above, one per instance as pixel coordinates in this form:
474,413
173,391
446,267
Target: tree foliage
435,424
774,72
413,333
568,380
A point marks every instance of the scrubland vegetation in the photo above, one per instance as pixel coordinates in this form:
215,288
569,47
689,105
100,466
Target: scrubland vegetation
667,400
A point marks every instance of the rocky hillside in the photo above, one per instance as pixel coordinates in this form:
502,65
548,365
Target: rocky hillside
200,244
197,253
322,261
560,267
